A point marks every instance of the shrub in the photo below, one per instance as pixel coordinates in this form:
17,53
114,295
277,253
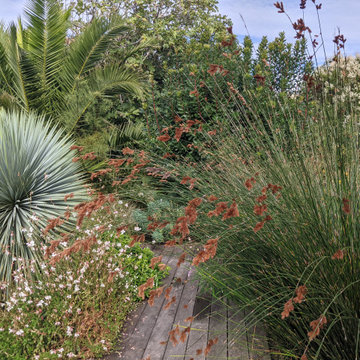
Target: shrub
76,307
36,173
341,79
157,219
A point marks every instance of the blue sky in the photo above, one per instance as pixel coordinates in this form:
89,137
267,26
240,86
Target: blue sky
262,18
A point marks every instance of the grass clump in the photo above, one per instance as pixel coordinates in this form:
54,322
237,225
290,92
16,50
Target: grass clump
279,207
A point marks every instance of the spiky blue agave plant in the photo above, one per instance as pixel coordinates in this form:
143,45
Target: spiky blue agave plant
36,172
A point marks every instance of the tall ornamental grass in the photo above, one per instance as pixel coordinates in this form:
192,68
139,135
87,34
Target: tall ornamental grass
280,206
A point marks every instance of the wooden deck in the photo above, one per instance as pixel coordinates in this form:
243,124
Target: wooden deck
146,334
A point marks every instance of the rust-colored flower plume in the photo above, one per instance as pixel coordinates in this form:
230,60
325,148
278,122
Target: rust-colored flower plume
288,307
208,252
346,206
316,326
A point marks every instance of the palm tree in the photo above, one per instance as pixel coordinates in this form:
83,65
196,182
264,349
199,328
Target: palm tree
42,69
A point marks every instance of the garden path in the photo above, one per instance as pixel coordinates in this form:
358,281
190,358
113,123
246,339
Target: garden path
146,333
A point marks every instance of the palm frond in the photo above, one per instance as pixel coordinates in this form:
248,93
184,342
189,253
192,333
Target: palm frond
25,80
124,54
104,82
88,49
5,72
125,134
47,25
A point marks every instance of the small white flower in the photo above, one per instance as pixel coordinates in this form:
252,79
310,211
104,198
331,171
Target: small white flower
69,331
137,228
20,332
34,217
30,244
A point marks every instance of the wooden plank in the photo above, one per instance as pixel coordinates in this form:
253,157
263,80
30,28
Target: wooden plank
133,346
257,341
237,334
238,337
188,300
218,329
198,337
160,332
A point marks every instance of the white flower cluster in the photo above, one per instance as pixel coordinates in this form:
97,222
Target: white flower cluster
342,79
68,286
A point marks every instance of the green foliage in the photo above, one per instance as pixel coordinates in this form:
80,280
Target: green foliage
76,308
193,92
36,172
136,261
157,211
128,134
61,77
172,25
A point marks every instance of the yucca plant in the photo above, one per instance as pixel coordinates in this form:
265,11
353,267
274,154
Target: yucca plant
36,172
43,69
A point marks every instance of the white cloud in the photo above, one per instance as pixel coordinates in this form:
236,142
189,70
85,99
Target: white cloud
261,18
